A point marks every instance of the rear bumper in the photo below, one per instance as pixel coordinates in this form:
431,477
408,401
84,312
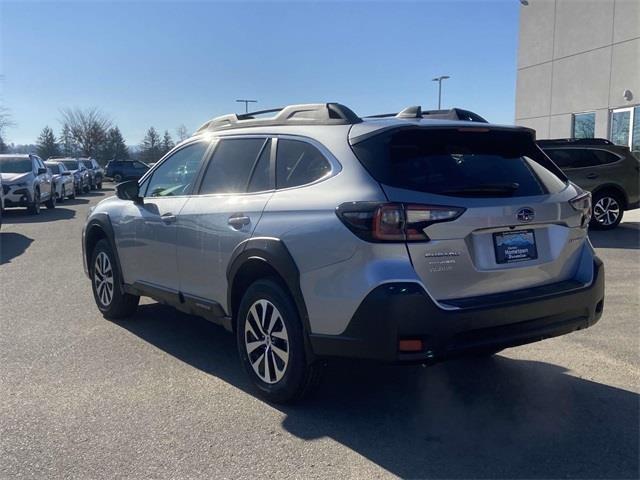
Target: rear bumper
398,311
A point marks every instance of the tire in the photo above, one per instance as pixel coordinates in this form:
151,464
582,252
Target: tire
86,189
34,208
72,196
92,186
51,203
62,194
117,178
100,186
607,210
106,283
275,362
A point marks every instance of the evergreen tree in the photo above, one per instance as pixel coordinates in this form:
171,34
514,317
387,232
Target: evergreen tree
151,148
114,147
3,146
47,145
167,142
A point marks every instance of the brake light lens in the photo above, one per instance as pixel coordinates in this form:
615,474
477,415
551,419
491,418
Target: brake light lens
582,203
393,222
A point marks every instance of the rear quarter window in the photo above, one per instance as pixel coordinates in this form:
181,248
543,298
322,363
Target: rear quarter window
299,163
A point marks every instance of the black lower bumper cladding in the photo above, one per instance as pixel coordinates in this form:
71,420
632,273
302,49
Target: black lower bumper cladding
397,311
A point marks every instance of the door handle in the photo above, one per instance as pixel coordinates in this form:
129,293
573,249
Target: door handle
239,221
168,218
591,176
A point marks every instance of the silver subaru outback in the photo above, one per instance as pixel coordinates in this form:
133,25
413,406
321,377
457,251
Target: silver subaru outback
314,233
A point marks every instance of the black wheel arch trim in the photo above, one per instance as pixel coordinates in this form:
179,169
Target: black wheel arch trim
103,222
275,254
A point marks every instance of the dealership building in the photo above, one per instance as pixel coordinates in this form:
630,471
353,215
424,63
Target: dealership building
579,69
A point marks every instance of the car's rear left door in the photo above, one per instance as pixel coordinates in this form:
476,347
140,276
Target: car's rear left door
236,186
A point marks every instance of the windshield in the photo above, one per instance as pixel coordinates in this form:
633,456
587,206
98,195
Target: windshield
71,164
458,163
15,165
87,163
54,168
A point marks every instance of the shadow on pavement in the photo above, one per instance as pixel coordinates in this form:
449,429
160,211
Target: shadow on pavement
491,418
12,245
626,235
22,216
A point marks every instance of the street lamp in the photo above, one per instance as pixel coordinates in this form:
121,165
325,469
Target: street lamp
246,104
439,80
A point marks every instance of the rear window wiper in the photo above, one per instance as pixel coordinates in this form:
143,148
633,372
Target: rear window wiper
504,189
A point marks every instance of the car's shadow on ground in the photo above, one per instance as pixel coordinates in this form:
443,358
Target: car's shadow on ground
625,235
491,418
21,215
12,245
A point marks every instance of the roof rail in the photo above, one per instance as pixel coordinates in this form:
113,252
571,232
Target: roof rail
305,114
575,141
417,112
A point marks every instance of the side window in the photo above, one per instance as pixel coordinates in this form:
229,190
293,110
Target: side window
566,158
139,165
178,172
604,158
261,177
299,163
232,163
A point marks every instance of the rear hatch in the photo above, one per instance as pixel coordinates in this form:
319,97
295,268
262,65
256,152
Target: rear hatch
509,221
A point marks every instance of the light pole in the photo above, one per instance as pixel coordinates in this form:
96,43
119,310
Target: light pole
246,104
439,80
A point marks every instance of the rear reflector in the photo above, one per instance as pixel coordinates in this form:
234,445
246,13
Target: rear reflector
410,345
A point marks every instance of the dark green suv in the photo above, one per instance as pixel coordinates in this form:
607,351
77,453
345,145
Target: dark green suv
610,172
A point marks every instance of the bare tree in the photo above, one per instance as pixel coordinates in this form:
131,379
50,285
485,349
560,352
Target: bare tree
182,133
88,127
5,121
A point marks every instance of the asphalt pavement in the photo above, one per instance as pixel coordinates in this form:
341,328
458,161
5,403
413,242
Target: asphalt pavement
162,395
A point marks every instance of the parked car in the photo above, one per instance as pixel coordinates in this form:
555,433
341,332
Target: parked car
81,176
317,234
610,172
96,173
121,170
26,182
63,183
1,201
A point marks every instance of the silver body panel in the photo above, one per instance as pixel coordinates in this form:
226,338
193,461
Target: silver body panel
337,269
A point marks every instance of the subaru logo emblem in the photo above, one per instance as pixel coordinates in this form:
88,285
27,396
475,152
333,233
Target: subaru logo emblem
526,214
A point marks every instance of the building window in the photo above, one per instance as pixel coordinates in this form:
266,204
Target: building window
625,127
584,125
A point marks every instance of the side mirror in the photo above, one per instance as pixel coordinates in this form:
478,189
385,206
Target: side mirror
42,171
129,191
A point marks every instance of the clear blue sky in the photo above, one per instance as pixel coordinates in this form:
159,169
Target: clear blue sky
168,63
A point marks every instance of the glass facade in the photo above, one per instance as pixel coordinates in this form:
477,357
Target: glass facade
625,127
584,125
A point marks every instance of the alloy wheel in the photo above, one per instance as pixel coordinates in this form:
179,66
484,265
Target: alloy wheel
266,341
606,211
103,279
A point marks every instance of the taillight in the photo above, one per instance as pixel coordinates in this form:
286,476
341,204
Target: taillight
582,203
393,222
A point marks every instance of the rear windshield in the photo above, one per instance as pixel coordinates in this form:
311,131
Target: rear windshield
473,162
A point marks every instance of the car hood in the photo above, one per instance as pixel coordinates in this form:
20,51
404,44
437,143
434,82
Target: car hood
8,178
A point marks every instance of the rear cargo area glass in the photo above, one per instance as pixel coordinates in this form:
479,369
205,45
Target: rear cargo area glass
458,162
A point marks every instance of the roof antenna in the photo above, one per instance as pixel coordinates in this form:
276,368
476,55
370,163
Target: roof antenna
414,111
